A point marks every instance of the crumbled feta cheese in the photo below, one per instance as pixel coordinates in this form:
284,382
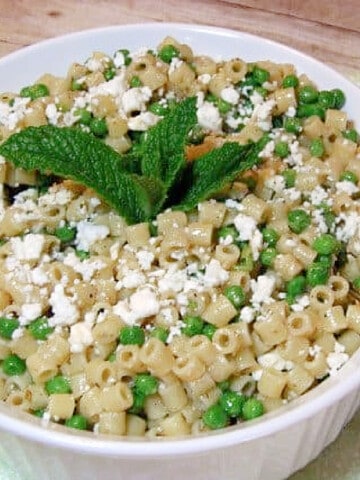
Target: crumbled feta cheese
318,195
52,113
274,360
346,187
174,65
133,279
10,115
204,78
230,95
63,307
88,233
135,99
80,337
29,247
145,259
247,314
262,289
215,275
301,303
141,304
29,311
143,121
209,117
246,226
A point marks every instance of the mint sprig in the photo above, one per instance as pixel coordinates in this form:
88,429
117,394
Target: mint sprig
163,153
137,185
71,153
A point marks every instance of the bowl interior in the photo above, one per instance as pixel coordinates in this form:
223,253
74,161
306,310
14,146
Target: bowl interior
54,56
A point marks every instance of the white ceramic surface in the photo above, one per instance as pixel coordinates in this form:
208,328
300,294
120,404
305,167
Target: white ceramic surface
270,448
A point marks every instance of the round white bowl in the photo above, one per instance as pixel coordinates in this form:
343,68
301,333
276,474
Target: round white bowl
269,448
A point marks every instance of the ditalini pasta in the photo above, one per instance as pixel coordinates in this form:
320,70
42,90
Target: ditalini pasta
195,320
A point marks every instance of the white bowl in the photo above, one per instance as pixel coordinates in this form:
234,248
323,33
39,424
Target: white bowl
270,448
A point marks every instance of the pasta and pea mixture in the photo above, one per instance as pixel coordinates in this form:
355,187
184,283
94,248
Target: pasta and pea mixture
198,320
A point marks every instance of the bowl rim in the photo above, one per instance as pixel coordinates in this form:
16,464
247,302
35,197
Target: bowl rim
298,410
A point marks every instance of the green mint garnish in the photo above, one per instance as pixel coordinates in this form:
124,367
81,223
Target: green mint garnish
163,152
71,153
211,172
138,185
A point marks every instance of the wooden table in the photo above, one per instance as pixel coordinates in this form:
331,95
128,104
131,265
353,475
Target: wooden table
328,30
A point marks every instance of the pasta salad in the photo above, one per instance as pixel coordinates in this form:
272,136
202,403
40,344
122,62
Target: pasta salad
180,246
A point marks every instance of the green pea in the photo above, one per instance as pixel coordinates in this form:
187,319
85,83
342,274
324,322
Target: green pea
84,116
270,236
309,110
308,94
40,328
37,90
232,403
132,335
260,75
196,135
109,73
77,421
261,90
289,177
145,384
316,147
290,81
282,149
8,326
339,98
277,121
210,97
329,217
226,232
135,81
252,408
76,85
267,256
215,417
326,99
317,274
351,134
223,106
356,283
298,220
82,254
138,403
39,412
112,357
66,233
98,127
126,55
296,286
246,262
224,385
158,108
236,295
57,384
292,124
193,326
348,176
209,330
168,52
325,244
326,260
161,333
13,365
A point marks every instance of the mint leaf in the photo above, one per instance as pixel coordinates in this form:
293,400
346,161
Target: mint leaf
74,154
214,170
163,149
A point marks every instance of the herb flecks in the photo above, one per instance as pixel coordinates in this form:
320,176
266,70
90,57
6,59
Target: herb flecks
161,177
